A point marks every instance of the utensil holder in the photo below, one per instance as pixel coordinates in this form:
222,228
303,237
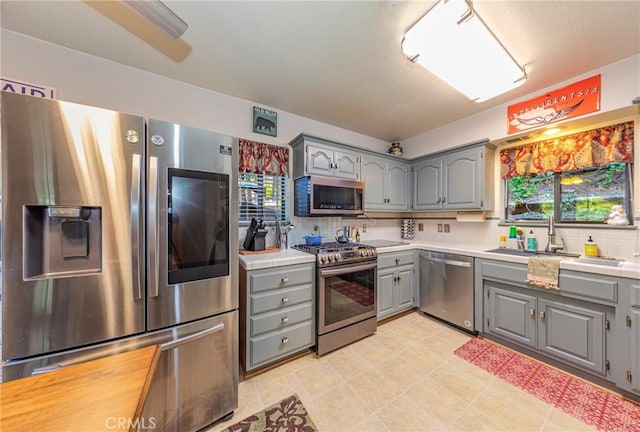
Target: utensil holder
407,229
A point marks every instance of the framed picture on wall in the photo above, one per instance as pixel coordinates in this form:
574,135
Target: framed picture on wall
265,121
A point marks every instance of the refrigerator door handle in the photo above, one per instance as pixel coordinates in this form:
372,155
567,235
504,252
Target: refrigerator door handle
153,227
135,227
179,342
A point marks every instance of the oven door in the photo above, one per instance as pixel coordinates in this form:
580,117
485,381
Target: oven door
347,294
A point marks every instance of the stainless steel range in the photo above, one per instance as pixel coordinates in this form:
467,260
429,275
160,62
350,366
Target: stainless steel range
346,301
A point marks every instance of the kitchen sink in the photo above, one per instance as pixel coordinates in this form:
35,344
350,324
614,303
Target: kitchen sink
611,262
528,253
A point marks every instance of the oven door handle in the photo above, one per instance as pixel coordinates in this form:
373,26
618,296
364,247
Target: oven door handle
347,269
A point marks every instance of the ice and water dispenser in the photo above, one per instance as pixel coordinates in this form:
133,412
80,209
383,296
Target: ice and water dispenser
61,241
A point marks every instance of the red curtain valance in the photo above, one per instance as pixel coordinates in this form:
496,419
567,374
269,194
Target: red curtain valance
583,150
260,158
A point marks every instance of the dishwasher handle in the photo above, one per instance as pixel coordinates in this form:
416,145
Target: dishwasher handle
447,261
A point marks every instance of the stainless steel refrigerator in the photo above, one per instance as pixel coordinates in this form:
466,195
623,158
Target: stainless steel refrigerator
116,234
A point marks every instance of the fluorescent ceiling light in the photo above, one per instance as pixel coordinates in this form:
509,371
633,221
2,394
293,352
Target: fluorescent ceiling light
158,14
454,44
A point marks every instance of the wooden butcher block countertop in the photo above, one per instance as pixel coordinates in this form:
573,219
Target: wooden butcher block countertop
100,395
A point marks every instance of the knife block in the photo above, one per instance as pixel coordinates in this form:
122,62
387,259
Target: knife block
259,240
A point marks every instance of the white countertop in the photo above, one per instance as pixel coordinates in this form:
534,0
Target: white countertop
629,269
276,259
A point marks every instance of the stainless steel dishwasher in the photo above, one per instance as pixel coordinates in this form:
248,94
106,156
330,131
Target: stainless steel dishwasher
446,288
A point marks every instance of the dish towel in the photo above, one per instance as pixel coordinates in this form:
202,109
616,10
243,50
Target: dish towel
543,272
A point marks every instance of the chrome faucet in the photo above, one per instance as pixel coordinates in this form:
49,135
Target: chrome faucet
552,246
282,234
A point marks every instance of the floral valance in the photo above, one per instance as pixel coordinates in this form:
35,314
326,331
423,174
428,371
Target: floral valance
582,150
261,158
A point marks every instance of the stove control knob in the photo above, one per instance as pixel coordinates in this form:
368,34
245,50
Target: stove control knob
322,259
338,257
330,258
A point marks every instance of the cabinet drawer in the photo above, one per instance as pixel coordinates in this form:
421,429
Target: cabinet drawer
589,285
504,271
280,299
280,277
272,347
394,260
281,319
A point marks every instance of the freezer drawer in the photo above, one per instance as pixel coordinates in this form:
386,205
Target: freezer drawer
196,379
446,288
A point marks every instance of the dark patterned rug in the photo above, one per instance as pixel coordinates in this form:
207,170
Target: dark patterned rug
288,415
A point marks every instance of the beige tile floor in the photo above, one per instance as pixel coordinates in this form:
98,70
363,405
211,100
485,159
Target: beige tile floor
403,378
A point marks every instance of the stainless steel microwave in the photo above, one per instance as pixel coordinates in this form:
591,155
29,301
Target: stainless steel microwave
326,196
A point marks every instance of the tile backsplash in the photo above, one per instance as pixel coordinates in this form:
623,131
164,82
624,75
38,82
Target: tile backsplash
613,242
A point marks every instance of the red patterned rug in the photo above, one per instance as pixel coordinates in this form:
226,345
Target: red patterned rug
586,402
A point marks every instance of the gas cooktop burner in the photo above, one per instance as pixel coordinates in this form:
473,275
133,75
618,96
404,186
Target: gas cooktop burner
335,253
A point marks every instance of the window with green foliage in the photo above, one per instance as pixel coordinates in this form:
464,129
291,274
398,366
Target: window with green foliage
263,197
584,196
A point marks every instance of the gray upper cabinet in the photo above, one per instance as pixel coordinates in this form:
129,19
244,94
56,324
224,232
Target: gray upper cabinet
427,185
316,156
387,183
455,180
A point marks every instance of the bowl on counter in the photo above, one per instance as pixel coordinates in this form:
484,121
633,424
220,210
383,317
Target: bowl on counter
312,239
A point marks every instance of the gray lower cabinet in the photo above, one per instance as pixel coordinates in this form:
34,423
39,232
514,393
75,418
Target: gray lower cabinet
574,334
396,283
633,377
575,324
630,322
277,313
511,314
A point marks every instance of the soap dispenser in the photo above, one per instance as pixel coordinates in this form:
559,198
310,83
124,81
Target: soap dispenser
532,242
590,248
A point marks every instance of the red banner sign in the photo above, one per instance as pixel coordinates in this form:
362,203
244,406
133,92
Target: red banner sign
574,100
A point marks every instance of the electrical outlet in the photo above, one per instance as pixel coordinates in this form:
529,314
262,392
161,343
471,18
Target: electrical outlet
420,227
439,227
364,228
447,228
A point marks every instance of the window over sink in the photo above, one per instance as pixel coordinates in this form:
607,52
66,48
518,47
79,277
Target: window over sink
576,178
580,196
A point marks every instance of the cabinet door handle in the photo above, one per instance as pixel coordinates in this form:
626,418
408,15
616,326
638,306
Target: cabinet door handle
285,299
285,319
438,200
285,340
397,261
541,314
532,312
285,280
444,199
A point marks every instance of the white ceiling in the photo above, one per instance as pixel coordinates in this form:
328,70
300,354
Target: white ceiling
336,62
